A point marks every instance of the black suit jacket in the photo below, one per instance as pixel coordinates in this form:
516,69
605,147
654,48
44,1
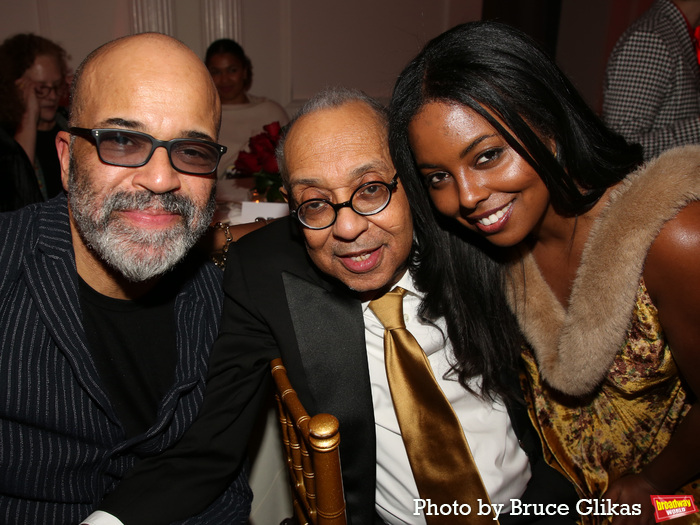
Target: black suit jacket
62,444
277,304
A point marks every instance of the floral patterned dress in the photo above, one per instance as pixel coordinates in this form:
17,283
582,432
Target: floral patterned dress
624,423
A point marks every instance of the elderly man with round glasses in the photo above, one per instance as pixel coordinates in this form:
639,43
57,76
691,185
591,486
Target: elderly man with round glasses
108,316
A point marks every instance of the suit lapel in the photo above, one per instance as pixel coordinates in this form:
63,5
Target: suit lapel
52,280
330,336
329,329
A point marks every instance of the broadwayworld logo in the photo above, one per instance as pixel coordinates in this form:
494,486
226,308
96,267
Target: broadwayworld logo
669,507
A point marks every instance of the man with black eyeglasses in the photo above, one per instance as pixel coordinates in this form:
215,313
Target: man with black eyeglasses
107,315
313,289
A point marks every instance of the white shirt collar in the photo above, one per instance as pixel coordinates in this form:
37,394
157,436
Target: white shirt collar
406,282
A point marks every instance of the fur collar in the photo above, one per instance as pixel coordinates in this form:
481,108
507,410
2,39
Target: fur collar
575,349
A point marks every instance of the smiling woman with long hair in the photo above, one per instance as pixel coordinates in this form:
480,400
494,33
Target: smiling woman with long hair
593,258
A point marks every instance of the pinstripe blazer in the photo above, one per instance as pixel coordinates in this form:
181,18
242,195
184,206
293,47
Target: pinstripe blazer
652,84
62,447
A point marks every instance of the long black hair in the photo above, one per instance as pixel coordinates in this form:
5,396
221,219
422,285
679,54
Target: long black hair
504,76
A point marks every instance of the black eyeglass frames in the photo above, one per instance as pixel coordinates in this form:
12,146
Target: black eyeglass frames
368,199
43,90
132,149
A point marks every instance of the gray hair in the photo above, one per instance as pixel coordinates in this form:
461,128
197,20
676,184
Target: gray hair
329,98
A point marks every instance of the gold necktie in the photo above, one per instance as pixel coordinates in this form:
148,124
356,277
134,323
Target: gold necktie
442,464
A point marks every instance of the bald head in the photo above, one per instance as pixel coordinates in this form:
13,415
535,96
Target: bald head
143,61
329,98
135,222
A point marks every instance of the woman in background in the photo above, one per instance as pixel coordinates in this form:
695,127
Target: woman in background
39,69
18,183
593,260
243,114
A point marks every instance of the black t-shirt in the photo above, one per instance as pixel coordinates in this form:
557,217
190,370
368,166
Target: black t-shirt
133,346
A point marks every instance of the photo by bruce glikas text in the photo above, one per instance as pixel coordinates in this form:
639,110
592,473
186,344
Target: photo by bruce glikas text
584,507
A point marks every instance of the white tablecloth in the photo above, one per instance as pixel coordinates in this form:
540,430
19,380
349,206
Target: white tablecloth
269,480
234,207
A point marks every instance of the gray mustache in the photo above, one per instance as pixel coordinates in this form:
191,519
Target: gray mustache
142,200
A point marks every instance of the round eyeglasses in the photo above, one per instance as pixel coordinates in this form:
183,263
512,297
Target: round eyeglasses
132,149
370,198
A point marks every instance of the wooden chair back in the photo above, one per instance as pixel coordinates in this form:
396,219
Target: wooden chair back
311,449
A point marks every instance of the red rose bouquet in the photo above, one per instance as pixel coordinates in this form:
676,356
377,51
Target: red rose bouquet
260,162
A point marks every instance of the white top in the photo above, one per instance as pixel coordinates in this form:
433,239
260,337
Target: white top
239,122
503,465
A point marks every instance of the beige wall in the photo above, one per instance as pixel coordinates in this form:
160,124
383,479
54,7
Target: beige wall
299,46
296,46
78,25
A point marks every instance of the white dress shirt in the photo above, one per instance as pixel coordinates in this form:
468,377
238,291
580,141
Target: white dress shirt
503,465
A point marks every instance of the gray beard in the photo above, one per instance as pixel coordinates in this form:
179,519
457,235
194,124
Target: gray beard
139,255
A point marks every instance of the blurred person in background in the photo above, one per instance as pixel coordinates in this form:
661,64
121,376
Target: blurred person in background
18,184
39,68
652,81
243,114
